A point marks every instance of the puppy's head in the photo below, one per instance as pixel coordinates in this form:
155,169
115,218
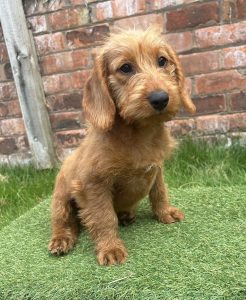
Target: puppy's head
138,75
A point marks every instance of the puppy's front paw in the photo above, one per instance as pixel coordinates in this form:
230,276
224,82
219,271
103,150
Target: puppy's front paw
171,215
112,256
61,245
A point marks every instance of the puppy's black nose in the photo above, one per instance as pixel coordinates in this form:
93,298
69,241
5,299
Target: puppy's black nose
158,99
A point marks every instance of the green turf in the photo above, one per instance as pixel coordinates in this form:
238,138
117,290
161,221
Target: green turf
200,258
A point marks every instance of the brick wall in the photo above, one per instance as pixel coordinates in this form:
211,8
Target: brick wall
210,37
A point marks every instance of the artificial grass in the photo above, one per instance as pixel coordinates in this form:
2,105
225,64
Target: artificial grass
200,258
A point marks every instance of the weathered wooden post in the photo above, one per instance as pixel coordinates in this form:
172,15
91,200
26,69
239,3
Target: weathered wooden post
23,59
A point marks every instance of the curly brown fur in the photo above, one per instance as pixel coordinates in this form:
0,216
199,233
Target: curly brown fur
120,161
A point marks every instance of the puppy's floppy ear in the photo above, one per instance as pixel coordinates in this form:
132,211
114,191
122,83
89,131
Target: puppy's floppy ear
178,73
98,105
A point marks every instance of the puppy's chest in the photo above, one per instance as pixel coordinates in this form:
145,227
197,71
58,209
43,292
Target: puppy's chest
136,170
135,183
139,165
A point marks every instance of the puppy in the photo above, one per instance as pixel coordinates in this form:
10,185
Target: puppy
135,87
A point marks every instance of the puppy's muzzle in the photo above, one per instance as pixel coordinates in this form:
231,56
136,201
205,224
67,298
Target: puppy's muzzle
158,99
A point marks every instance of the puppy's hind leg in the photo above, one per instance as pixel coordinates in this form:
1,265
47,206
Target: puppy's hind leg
65,222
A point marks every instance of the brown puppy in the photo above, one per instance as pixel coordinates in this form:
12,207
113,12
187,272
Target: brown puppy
136,85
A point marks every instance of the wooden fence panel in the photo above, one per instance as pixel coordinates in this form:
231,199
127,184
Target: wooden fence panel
23,59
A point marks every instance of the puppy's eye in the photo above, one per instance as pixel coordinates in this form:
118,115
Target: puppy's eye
126,68
162,61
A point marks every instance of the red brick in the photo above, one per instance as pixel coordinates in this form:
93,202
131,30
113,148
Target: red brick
68,18
127,7
241,9
49,43
11,127
181,127
101,11
82,2
36,7
1,33
38,24
8,71
181,41
22,143
238,101
64,82
234,57
65,120
10,109
192,16
78,2
7,90
160,4
220,35
212,124
14,109
210,104
65,61
219,81
140,22
5,72
233,10
3,53
7,145
199,63
188,85
71,138
3,110
64,102
229,10
237,122
87,36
